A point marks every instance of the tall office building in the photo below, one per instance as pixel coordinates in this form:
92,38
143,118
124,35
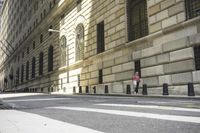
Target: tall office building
96,45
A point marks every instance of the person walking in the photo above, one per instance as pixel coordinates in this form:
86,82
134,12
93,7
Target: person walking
136,81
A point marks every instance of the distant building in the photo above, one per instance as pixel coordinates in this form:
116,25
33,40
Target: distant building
97,45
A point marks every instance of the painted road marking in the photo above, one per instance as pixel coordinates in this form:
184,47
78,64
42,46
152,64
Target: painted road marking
189,119
152,107
13,121
43,99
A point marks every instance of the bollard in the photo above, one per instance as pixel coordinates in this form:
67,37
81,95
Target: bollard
74,89
128,89
94,88
87,89
80,89
191,89
106,89
144,91
165,89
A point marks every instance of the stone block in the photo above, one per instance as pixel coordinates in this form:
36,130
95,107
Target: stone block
109,78
151,51
155,27
124,76
165,79
162,15
148,61
152,71
93,67
196,76
94,74
182,78
182,54
108,63
128,66
169,22
107,71
174,45
176,9
122,59
167,3
94,81
154,9
181,66
116,69
178,90
151,81
194,39
163,58
117,87
152,19
137,55
181,17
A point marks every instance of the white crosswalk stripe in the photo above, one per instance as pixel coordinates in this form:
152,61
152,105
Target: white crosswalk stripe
43,99
189,119
151,107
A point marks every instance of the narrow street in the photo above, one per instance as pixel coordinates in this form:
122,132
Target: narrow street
83,113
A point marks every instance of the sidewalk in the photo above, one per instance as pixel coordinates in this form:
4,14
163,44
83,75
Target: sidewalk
13,121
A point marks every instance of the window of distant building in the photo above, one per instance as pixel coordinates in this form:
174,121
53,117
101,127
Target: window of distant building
50,59
62,19
79,42
192,8
41,63
50,27
33,67
78,3
197,57
137,19
27,50
33,44
100,38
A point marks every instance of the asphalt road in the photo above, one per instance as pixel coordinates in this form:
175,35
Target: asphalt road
115,114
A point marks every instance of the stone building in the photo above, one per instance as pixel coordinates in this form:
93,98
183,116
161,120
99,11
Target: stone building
96,45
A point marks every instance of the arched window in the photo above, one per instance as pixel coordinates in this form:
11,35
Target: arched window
27,70
79,42
50,59
63,46
22,74
33,67
41,63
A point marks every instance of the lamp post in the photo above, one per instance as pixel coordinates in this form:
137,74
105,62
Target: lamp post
67,53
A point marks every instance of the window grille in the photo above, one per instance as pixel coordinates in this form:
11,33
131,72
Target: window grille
197,57
27,70
63,50
100,76
100,38
50,59
41,63
138,67
192,8
137,19
79,42
33,67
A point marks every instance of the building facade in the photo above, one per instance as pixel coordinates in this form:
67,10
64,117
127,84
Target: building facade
96,45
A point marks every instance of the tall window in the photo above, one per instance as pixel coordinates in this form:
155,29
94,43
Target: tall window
63,50
79,42
50,59
100,37
41,63
197,57
22,74
17,76
192,8
33,67
41,38
50,27
100,76
33,44
27,70
138,67
137,19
